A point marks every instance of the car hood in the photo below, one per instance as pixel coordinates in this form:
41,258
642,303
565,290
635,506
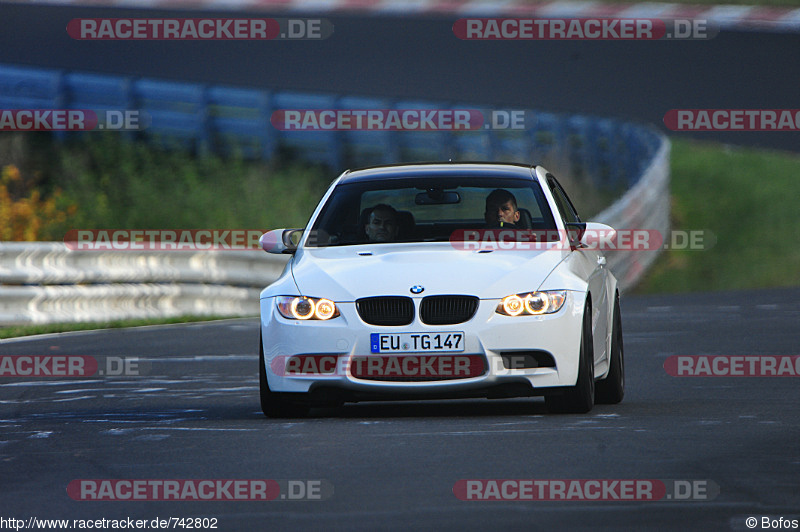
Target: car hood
347,273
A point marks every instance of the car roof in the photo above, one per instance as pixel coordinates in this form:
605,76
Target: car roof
460,169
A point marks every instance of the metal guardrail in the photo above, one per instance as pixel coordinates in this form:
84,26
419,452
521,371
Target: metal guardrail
46,282
52,263
228,120
646,205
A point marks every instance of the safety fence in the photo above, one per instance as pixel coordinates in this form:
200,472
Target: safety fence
46,282
233,120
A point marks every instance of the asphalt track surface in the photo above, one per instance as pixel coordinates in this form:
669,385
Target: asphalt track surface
420,58
193,413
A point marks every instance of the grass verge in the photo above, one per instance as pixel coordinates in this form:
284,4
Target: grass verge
749,200
14,331
105,182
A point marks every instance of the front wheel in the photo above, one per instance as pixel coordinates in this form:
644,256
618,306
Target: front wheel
611,390
274,404
579,399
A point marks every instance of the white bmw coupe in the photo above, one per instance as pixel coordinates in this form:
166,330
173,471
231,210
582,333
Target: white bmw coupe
433,281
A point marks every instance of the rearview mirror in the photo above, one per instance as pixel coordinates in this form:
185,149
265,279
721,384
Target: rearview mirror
437,196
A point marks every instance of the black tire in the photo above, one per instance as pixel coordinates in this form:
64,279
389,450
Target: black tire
579,399
275,404
611,390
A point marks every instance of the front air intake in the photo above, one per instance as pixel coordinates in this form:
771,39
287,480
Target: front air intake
447,310
386,310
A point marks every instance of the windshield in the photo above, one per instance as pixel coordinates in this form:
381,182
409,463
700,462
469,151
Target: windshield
427,209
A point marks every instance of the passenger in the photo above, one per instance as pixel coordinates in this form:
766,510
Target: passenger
382,224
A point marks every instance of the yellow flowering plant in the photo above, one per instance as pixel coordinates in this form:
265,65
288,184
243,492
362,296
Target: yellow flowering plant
24,215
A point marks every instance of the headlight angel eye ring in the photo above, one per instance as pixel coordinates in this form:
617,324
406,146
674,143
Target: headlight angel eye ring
306,308
532,303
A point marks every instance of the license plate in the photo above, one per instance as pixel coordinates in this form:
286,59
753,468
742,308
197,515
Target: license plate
433,342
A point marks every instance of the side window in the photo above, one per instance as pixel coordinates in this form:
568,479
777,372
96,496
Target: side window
565,207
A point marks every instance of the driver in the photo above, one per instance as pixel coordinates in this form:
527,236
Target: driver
501,209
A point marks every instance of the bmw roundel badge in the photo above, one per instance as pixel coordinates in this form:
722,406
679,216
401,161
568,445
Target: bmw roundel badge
417,289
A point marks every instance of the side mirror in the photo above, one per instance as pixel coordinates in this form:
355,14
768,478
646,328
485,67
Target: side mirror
598,236
281,240
575,233
593,235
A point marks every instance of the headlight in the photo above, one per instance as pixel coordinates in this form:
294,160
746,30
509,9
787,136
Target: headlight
532,303
306,308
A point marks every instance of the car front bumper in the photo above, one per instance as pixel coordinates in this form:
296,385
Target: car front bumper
342,346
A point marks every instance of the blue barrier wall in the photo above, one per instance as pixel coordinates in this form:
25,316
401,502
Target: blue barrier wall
229,120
